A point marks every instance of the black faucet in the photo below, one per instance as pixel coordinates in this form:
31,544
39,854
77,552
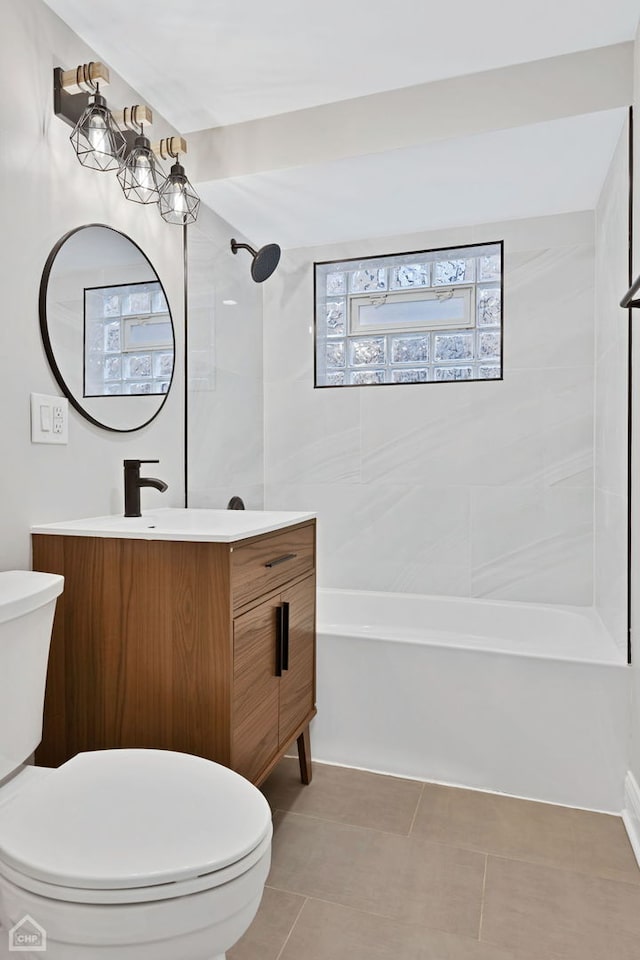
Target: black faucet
132,483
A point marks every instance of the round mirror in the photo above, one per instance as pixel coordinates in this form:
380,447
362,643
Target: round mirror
107,328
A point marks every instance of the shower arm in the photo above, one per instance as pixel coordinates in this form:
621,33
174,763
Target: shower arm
235,246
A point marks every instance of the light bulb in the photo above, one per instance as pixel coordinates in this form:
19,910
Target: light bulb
144,175
176,198
97,134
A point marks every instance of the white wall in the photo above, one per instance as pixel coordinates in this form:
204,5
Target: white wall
611,397
225,370
43,193
475,489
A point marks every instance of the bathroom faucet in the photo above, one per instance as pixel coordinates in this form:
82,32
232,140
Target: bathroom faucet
132,483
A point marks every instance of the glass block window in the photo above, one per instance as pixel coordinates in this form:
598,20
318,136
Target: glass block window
128,340
424,317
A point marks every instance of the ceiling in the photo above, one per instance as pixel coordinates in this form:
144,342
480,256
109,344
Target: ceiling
203,63
214,63
545,168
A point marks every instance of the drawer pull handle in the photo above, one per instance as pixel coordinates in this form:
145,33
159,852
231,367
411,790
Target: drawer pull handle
279,640
287,556
285,636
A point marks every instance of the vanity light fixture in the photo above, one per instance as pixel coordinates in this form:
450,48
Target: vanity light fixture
105,141
179,202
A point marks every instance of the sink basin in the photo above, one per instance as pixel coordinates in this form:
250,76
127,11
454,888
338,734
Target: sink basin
175,523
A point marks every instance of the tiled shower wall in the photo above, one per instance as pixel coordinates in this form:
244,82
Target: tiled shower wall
472,489
611,401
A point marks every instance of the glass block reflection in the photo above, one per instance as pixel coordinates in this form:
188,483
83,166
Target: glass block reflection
489,372
409,349
111,306
489,307
136,303
453,373
335,379
163,366
336,283
489,268
453,346
112,389
489,345
410,275
112,337
136,366
159,302
362,378
336,354
94,334
410,376
112,368
335,313
139,388
367,352
453,271
364,281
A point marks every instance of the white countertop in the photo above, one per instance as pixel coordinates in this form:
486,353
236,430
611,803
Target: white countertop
174,523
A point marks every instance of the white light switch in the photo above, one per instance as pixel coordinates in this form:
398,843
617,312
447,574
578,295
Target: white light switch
49,419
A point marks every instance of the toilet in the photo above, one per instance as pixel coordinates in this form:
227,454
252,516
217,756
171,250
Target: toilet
127,854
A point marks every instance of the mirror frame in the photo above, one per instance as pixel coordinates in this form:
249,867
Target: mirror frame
46,339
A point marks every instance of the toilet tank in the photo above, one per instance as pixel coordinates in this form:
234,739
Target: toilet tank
27,606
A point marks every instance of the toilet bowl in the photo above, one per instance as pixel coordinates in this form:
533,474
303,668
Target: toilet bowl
127,854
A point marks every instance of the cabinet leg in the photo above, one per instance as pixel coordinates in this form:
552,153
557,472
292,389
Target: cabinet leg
304,756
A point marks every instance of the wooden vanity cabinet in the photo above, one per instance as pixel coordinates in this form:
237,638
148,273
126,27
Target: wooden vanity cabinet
205,648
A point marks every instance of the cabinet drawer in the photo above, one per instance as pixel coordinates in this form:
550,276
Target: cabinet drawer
267,563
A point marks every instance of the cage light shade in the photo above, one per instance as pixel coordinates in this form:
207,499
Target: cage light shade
141,175
179,203
97,139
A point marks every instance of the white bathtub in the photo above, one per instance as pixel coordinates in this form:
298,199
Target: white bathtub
515,698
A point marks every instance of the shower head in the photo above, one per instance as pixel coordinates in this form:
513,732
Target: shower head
265,260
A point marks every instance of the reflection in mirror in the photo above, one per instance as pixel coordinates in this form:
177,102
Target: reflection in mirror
128,340
107,328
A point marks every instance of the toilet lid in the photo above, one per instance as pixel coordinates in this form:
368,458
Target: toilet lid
120,819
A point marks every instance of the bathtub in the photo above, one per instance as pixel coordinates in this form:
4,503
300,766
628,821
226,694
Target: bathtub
516,698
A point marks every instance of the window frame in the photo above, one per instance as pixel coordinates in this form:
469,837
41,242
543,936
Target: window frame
419,294
344,261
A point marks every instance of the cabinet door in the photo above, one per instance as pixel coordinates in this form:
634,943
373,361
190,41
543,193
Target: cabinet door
255,690
297,686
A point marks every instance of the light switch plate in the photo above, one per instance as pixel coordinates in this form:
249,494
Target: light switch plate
49,419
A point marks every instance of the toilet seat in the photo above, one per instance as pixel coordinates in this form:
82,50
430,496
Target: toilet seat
132,826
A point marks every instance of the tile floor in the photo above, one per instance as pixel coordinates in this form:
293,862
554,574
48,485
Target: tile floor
367,867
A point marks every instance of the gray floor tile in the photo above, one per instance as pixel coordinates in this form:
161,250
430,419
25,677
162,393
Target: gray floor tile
405,878
593,843
328,931
348,796
560,913
267,934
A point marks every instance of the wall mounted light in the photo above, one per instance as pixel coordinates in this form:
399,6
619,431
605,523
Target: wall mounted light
265,260
140,175
179,203
116,141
